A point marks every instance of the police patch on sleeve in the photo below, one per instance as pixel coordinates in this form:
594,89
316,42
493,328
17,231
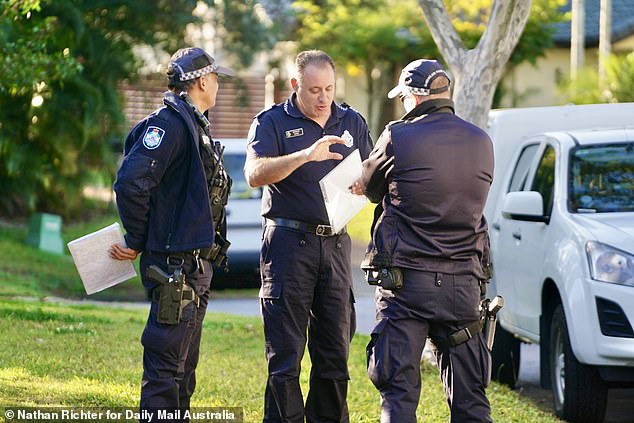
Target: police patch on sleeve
153,137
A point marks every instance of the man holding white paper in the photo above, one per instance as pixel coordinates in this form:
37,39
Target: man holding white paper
305,264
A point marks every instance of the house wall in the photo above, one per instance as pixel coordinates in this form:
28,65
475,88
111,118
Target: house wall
236,104
529,85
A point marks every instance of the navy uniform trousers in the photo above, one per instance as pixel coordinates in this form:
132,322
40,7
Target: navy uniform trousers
170,352
306,288
436,305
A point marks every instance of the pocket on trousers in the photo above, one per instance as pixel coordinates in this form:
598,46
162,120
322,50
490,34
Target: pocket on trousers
466,298
378,355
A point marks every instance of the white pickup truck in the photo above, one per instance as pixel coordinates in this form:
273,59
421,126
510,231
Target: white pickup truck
561,222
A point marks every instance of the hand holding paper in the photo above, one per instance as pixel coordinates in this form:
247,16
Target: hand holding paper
342,204
121,252
96,268
356,188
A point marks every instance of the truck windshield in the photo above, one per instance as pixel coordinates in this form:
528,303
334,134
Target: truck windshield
602,178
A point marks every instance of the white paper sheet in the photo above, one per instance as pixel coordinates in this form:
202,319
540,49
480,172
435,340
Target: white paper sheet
96,269
341,204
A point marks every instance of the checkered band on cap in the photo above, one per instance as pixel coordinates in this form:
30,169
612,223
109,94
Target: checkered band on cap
186,76
433,75
417,77
427,83
192,63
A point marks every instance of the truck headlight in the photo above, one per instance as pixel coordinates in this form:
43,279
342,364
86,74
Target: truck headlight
608,264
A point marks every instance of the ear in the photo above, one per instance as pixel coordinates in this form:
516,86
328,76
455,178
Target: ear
201,83
294,84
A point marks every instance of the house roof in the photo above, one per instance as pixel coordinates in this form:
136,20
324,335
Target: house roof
622,22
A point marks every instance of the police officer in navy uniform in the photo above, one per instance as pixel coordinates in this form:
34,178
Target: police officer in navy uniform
305,267
171,191
431,172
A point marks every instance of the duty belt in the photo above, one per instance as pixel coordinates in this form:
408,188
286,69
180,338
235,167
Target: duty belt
320,230
202,252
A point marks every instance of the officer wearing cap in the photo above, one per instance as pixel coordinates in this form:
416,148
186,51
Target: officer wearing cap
305,267
171,191
431,172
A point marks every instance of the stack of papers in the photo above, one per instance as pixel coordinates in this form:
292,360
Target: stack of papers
96,268
341,204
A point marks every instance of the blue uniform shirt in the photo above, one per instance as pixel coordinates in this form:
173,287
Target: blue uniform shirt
283,129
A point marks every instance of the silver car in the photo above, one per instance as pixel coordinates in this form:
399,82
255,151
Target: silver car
244,224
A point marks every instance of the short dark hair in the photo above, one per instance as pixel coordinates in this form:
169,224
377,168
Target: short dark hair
173,84
309,57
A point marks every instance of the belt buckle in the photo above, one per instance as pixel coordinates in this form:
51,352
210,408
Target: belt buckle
323,230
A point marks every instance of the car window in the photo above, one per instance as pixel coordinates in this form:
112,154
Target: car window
520,173
234,162
601,178
544,181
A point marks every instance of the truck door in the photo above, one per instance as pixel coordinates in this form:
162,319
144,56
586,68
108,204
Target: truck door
503,245
531,243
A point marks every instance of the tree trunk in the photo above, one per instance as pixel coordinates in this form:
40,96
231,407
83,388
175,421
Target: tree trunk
577,38
605,40
476,72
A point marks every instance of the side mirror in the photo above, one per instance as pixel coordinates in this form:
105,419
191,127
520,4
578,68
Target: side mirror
524,205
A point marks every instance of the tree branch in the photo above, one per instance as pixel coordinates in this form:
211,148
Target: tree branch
506,24
442,30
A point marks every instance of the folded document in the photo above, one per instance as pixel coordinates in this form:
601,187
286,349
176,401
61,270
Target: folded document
96,268
341,204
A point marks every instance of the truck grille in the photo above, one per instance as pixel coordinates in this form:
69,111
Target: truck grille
613,320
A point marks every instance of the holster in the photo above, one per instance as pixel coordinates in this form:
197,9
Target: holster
217,253
379,271
173,294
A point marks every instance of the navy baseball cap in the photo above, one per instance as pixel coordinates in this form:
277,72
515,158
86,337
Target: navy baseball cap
191,63
417,76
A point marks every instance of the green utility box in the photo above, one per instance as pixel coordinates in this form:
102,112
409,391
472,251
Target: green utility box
45,232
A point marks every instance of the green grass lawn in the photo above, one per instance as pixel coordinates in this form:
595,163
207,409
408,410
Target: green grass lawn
89,356
62,354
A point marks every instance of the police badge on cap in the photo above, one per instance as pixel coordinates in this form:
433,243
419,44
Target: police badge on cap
191,63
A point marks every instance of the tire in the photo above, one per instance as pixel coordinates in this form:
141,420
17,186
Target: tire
505,357
579,393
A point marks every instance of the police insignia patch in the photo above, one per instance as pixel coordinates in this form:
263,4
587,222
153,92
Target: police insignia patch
347,137
295,133
153,137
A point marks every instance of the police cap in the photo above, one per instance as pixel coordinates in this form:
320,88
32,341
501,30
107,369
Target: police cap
191,63
417,76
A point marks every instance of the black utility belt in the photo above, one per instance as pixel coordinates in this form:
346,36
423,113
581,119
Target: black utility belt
319,230
206,253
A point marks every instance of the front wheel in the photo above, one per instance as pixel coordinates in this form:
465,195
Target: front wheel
579,393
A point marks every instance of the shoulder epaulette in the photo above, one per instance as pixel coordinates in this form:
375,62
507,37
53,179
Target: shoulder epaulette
267,109
345,107
392,123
